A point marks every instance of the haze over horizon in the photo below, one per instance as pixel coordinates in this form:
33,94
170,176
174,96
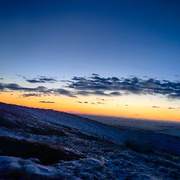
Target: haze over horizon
114,58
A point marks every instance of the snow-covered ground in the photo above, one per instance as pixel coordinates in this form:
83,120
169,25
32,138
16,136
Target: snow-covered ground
57,145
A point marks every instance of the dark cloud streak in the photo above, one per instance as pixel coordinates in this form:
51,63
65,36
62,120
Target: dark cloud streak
31,95
39,89
41,79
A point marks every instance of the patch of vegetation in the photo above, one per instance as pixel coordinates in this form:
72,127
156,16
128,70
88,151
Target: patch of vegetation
47,130
138,146
7,123
86,137
25,149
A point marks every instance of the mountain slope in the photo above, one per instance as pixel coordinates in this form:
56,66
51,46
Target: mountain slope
58,145
41,117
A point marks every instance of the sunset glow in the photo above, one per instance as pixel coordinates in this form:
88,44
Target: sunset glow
111,58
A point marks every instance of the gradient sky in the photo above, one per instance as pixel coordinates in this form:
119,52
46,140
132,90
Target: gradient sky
118,58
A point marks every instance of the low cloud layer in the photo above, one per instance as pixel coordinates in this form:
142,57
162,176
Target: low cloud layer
42,79
99,86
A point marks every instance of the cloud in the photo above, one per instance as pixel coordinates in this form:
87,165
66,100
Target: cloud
98,93
171,108
160,107
118,86
1,87
42,79
82,102
1,79
24,77
79,102
94,74
101,86
101,99
31,94
64,92
100,103
16,87
115,93
39,79
46,102
94,103
97,103
155,106
39,89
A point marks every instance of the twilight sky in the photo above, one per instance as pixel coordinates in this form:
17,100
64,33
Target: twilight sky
118,57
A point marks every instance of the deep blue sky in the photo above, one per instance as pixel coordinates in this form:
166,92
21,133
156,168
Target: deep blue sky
68,38
132,46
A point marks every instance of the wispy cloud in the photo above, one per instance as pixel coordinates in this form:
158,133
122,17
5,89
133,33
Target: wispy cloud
155,106
39,79
46,101
164,107
100,103
94,103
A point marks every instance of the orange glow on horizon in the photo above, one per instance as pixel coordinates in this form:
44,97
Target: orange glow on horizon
70,105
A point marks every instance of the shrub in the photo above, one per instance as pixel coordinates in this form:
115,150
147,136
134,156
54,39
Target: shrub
138,145
7,123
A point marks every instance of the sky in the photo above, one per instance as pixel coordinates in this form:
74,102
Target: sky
117,58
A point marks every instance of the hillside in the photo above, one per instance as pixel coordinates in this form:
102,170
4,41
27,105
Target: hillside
48,144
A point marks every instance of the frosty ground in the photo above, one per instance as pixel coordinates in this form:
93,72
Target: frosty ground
47,144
